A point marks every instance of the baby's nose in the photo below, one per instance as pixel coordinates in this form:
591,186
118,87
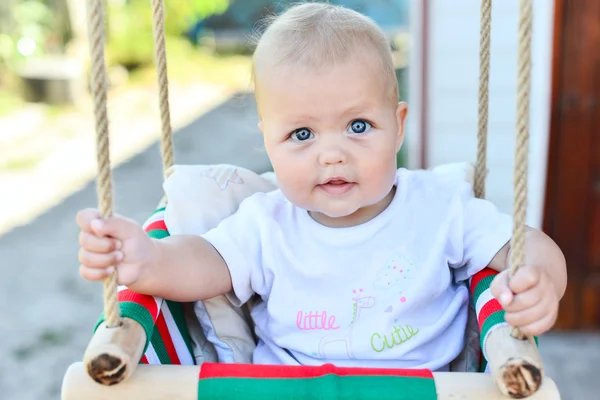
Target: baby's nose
332,155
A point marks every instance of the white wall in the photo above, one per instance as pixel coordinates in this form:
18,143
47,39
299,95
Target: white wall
453,91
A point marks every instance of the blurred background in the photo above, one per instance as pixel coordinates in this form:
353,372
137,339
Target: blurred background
48,164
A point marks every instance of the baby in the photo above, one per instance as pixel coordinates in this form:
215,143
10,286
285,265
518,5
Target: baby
357,262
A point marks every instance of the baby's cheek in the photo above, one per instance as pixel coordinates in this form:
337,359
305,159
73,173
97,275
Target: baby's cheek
380,177
380,171
296,189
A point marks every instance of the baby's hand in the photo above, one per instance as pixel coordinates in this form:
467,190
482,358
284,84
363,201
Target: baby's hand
528,298
108,243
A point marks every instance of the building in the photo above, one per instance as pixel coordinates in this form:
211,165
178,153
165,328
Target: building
564,155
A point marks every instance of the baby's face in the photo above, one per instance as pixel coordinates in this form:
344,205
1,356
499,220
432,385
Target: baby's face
332,137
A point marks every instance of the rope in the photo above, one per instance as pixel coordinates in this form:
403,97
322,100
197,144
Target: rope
99,96
158,19
484,78
104,180
522,137
517,256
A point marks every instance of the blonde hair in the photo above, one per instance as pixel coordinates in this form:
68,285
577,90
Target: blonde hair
320,35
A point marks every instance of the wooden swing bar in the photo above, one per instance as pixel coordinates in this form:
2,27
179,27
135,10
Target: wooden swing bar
162,382
116,347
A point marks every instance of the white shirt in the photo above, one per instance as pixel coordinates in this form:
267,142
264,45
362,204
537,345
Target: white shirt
387,293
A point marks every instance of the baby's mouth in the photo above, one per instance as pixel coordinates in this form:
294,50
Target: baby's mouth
337,186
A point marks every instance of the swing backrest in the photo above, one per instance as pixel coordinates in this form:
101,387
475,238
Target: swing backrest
199,197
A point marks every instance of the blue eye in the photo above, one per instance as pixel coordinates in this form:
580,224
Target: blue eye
359,126
301,134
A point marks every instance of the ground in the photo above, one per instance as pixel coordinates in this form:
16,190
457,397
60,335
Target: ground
48,311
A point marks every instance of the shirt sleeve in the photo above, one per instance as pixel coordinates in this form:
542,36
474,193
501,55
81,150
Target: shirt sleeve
484,231
238,240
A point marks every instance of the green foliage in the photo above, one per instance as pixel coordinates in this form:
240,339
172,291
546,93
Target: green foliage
130,40
130,36
180,15
30,21
33,19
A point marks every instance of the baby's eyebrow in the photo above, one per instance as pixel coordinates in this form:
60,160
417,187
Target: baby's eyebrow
300,120
357,109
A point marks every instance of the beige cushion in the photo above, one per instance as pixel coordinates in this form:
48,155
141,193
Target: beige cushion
198,198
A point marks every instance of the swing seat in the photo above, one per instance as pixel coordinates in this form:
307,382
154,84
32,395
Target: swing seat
204,350
249,382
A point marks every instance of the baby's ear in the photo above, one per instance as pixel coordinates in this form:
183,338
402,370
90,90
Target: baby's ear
260,126
401,113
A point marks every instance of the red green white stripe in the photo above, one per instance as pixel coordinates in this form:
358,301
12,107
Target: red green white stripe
484,298
155,225
167,345
249,382
157,215
490,314
150,303
179,345
150,356
217,370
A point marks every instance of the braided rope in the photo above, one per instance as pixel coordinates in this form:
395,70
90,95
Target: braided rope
484,78
522,137
158,19
517,245
104,180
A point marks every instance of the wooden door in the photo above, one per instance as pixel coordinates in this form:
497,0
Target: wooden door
572,211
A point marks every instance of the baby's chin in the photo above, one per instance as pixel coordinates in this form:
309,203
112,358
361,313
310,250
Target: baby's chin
339,213
334,210
334,214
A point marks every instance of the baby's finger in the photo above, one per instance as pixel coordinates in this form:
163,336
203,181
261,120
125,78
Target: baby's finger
525,278
97,244
525,300
97,260
529,315
540,326
500,289
85,217
95,274
116,226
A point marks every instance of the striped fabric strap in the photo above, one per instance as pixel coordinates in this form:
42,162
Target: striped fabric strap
170,343
249,382
155,225
141,308
490,314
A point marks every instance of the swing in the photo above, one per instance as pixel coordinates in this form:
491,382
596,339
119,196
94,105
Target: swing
210,343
